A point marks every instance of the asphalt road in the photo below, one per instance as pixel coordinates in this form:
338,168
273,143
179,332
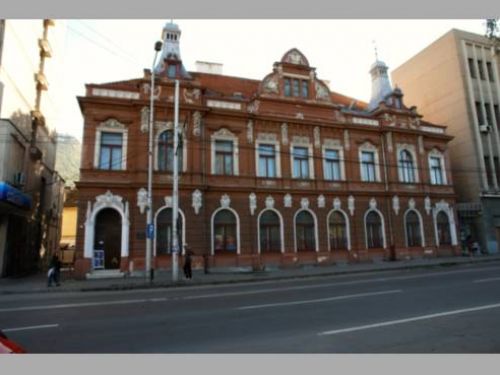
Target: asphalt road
446,310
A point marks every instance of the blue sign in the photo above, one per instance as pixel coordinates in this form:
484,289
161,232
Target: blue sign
14,196
98,259
150,231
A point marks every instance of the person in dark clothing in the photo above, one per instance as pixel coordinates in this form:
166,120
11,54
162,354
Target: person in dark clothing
54,270
205,264
188,272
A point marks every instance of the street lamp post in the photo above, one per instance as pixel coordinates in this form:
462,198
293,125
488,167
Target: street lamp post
149,229
175,188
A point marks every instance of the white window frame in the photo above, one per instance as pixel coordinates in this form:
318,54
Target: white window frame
437,154
347,226
282,233
212,227
224,134
333,145
160,128
413,153
316,237
111,126
422,236
369,147
384,243
310,155
277,155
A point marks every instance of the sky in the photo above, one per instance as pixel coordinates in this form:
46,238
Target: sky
342,51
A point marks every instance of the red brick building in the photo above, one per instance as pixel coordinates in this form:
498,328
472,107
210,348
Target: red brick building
281,171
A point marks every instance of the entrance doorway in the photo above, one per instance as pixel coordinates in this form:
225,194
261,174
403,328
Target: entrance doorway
108,233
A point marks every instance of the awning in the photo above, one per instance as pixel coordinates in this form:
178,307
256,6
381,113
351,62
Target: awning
14,196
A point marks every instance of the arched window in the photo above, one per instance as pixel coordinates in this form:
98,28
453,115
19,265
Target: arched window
374,234
337,231
166,152
406,167
304,231
443,228
270,231
412,223
225,232
164,232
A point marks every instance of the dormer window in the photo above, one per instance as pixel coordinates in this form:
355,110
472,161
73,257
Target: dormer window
172,69
305,89
296,87
288,91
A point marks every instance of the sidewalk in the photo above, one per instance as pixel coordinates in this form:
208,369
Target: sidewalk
38,283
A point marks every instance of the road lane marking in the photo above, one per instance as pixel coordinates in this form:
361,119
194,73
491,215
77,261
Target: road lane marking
341,283
82,304
408,320
487,280
242,293
319,300
30,328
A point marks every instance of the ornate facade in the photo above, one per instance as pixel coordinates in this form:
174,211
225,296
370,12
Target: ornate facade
279,172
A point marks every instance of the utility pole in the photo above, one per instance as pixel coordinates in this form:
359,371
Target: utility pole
150,228
175,189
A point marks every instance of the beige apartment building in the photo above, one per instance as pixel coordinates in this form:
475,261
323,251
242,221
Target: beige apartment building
455,82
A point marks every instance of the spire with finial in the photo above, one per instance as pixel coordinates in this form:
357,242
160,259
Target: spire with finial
381,85
375,48
171,52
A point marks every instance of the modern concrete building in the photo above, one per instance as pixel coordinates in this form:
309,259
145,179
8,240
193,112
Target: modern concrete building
31,191
455,82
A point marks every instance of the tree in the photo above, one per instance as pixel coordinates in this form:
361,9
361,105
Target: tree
492,30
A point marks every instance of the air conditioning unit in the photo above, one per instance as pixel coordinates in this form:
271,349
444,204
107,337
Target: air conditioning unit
484,128
19,179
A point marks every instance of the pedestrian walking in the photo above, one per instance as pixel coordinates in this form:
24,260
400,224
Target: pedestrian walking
54,271
188,272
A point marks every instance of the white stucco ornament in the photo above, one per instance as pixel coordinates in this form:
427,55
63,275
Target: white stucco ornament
337,203
395,204
142,199
373,204
196,123
196,201
225,201
168,201
269,202
284,133
411,204
304,203
321,201
252,198
317,137
287,200
250,131
144,119
350,204
428,205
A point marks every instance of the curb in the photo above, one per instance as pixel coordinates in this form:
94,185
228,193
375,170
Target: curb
248,278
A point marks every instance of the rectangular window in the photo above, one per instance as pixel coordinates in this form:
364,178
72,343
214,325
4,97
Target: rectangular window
288,89
497,113
267,161
110,156
479,114
436,171
224,158
497,171
489,115
296,87
489,172
472,71
368,166
491,77
332,165
481,70
305,89
300,162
